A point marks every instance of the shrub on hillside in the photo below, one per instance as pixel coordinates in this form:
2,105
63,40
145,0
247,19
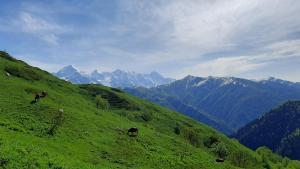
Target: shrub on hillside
267,153
3,162
220,150
266,163
22,72
242,159
147,116
193,137
101,103
114,100
56,122
6,56
177,130
210,141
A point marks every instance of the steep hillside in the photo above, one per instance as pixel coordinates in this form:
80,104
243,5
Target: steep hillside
176,104
117,78
232,101
50,123
279,130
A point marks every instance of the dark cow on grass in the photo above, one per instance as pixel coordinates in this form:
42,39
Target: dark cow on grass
133,132
38,96
220,160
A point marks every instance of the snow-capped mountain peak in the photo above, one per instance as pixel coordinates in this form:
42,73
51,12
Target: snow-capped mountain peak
273,80
117,78
214,81
68,69
70,73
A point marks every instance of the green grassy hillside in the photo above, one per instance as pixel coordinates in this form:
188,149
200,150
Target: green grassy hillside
39,135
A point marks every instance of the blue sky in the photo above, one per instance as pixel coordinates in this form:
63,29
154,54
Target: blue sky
250,39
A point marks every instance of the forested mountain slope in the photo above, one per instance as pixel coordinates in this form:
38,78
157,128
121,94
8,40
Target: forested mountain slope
278,129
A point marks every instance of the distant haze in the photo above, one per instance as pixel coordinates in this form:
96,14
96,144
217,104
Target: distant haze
249,39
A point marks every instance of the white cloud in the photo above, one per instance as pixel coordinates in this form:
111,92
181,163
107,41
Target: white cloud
256,34
230,66
32,24
283,50
199,37
45,30
198,26
50,38
273,54
204,23
191,30
50,67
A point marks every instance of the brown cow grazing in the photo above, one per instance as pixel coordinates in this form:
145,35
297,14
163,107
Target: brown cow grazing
133,132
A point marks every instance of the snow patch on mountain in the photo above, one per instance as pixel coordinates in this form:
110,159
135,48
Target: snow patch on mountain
200,83
275,80
214,81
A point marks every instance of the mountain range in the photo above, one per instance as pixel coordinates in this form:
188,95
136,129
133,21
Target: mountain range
225,103
279,130
117,78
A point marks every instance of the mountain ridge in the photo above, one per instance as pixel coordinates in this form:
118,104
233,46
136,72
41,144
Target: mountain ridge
116,78
233,101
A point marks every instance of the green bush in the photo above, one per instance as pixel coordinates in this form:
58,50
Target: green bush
7,56
177,130
22,72
266,163
220,150
114,100
242,159
56,123
193,137
101,103
268,155
210,141
147,116
3,162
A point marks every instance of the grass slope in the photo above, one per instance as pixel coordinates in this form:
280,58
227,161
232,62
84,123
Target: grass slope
86,137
